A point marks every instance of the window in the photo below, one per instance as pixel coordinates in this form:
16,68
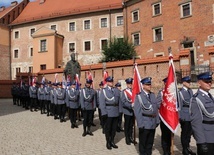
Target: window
87,24
32,31
135,16
87,45
158,34
16,53
186,10
43,44
119,20
72,47
16,34
43,67
103,22
72,26
18,70
104,43
30,69
31,51
136,39
160,54
53,27
156,9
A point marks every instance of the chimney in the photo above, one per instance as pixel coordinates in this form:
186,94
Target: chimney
2,8
14,3
42,1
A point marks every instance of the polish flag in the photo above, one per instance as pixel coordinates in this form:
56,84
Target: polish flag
169,108
136,85
77,82
90,77
105,75
56,78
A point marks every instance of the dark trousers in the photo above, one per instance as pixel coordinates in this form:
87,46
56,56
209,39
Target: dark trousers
14,100
186,132
55,110
165,137
111,127
61,111
146,140
210,149
120,119
48,106
100,117
88,117
42,106
73,115
33,103
128,125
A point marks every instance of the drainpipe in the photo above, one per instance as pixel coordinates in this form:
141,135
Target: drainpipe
110,24
10,74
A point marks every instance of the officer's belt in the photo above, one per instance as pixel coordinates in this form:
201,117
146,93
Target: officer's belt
115,104
147,115
130,110
60,99
186,106
208,122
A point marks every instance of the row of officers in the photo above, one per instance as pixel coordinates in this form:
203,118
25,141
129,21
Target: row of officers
196,112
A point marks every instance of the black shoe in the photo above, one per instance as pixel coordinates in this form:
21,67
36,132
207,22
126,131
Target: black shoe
128,142
92,124
31,110
76,126
114,145
90,133
47,114
190,151
61,120
72,126
80,119
121,129
131,140
108,146
84,134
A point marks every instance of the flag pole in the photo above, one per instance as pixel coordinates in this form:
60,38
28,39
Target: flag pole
135,142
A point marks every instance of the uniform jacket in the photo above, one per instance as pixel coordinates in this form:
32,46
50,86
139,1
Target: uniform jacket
60,95
72,98
184,101
48,93
53,96
33,92
97,97
126,103
41,93
88,98
148,107
202,132
110,97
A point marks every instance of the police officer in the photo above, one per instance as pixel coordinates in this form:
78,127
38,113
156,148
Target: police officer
165,131
54,100
25,92
41,97
146,112
72,102
98,104
202,115
128,111
88,104
33,97
13,92
48,104
120,118
185,95
109,105
61,106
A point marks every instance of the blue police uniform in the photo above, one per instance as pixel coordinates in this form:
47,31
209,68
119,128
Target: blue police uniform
48,104
128,112
33,97
60,96
185,94
88,104
54,100
202,116
109,105
98,104
41,97
72,102
26,97
146,113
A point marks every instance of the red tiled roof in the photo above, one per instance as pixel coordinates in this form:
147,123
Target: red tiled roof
35,11
5,11
184,52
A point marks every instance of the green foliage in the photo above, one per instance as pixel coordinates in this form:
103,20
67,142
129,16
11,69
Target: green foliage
118,49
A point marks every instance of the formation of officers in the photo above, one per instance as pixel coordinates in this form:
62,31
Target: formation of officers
196,111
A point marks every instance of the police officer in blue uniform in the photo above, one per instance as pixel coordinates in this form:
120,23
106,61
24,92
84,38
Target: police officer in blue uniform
98,104
202,115
165,131
33,97
146,113
185,94
48,104
61,106
41,97
72,102
13,92
54,100
88,104
109,105
128,112
26,97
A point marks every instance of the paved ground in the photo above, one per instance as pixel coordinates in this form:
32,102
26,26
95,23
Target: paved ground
29,133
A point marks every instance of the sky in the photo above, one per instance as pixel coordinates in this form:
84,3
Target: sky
8,2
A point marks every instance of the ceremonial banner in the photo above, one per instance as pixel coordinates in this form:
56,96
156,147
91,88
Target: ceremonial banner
77,82
168,110
136,83
105,75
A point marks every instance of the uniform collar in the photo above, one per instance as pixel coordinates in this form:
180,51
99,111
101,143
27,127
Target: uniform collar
204,92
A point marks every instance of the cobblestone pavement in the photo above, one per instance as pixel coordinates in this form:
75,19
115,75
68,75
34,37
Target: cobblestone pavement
29,133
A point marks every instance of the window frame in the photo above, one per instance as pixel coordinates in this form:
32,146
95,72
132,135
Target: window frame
84,26
41,66
40,45
182,9
53,25
138,13
119,23
105,24
102,39
133,38
84,47
73,42
153,9
30,33
69,27
14,54
16,31
154,34
30,55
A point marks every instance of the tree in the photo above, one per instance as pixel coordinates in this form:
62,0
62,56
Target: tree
118,49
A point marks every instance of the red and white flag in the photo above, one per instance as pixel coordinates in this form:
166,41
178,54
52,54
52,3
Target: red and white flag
136,85
90,77
34,80
77,82
56,78
168,110
105,75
